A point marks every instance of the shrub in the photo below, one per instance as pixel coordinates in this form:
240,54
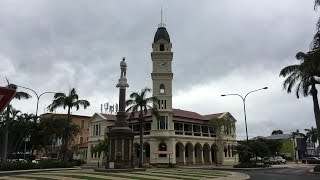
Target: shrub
317,168
251,165
10,166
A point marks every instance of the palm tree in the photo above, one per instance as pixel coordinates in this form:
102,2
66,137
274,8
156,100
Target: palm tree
305,76
67,101
19,95
311,134
139,103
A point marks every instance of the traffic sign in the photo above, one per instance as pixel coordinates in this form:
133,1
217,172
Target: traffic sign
6,95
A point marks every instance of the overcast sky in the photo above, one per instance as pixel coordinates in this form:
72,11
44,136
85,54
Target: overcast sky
219,47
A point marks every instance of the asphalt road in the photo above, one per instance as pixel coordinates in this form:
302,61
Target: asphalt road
282,174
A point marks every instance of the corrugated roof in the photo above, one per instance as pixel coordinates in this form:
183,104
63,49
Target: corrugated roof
176,113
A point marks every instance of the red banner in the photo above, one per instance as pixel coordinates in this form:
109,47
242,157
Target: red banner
6,95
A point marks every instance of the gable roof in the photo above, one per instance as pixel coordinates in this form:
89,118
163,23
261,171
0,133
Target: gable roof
176,113
194,115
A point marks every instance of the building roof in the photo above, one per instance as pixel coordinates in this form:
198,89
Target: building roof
62,115
194,115
176,113
161,33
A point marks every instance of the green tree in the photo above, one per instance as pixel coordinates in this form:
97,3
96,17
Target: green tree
225,122
67,101
305,76
139,103
311,134
19,95
277,132
102,146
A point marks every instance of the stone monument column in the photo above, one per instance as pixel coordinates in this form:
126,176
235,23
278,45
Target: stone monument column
120,137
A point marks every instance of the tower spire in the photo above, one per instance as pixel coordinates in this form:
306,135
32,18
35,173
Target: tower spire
161,22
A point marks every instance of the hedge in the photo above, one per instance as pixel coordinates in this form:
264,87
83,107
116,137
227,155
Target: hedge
251,165
10,166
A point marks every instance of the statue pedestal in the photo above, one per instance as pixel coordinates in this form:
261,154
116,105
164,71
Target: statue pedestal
120,154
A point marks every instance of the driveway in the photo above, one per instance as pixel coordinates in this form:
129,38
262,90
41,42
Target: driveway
284,172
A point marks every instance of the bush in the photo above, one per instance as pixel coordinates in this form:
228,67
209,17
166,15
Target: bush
317,168
10,166
251,166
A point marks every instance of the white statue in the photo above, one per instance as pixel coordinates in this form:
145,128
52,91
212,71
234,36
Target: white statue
123,67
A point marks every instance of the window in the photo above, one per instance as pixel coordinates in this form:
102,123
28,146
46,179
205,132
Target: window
81,140
162,147
162,88
82,124
161,47
162,104
163,122
96,129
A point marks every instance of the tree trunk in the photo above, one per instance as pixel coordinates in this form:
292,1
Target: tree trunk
141,140
66,138
314,94
6,136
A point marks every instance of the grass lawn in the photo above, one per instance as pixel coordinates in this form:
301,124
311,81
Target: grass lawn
150,174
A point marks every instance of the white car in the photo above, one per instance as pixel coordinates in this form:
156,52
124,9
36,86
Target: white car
280,160
36,161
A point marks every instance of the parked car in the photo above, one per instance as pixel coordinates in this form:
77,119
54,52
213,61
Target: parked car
254,159
269,160
36,161
280,160
311,160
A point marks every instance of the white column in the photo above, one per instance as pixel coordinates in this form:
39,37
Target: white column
183,128
130,148
122,150
202,161
210,157
184,156
193,156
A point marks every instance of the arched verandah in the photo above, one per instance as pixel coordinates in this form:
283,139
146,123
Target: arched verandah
214,149
189,153
180,153
198,153
146,152
207,154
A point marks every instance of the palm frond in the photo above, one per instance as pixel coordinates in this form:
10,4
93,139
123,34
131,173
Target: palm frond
59,95
79,103
22,95
288,70
316,3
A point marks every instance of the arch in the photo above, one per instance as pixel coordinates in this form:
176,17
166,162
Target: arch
161,47
214,150
162,89
162,147
189,153
206,153
179,153
146,154
198,153
136,152
229,149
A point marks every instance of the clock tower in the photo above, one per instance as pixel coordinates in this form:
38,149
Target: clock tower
162,75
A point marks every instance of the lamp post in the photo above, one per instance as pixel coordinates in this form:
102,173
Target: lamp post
244,105
38,96
26,139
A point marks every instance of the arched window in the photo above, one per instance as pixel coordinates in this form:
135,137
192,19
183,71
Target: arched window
161,47
162,147
162,88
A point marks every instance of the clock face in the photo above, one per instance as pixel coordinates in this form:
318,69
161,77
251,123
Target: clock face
162,64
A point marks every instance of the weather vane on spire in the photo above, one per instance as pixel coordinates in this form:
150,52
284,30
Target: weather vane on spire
161,23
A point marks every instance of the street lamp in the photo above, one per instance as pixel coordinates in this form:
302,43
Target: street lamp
38,96
244,105
26,139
